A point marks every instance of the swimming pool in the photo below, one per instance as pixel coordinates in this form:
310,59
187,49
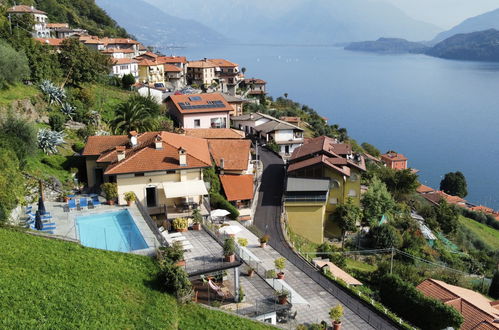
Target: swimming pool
114,231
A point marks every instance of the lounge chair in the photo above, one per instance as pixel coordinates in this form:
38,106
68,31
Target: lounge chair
72,204
83,203
90,204
95,201
48,226
28,209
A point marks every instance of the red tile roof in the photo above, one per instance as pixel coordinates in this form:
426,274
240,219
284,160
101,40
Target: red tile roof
148,63
204,100
214,133
237,187
393,156
476,309
172,59
223,63
235,153
436,196
96,145
422,189
171,68
117,50
22,9
58,25
118,61
254,81
50,41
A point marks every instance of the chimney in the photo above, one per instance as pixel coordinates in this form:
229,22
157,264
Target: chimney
222,163
120,151
133,138
158,142
182,157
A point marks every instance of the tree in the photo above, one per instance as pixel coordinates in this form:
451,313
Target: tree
454,183
377,201
133,115
81,64
127,81
494,286
286,95
370,149
385,236
347,216
243,70
447,217
19,136
13,66
399,183
11,183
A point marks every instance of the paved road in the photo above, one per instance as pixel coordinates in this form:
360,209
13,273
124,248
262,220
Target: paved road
267,217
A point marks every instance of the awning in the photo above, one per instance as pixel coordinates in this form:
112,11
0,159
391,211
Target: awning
185,189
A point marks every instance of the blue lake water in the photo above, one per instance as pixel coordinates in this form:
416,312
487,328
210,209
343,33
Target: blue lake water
443,115
114,231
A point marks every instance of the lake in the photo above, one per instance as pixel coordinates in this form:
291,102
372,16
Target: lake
443,115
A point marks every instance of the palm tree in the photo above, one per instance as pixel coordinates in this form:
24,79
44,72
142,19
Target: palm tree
132,115
286,95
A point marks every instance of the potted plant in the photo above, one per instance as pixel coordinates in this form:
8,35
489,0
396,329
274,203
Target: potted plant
240,294
336,313
280,264
251,271
197,219
230,250
64,196
264,240
242,241
282,296
270,274
180,224
110,191
174,254
130,197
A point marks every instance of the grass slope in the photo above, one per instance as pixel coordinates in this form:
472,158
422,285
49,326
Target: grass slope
47,284
17,92
489,235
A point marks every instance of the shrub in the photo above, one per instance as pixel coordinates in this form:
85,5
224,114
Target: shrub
130,196
57,121
229,247
332,253
13,66
385,236
219,202
242,241
280,264
180,223
273,146
49,140
240,294
175,281
196,216
20,136
336,313
110,190
78,146
173,254
265,238
270,273
68,110
127,81
53,93
405,300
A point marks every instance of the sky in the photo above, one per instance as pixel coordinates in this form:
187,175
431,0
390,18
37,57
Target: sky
444,13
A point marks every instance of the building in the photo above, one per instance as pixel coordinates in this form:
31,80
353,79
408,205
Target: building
479,313
214,133
394,160
201,73
52,42
159,94
236,103
292,120
199,110
151,72
173,76
63,31
40,29
271,130
180,78
123,66
120,53
322,158
163,169
254,87
238,189
228,75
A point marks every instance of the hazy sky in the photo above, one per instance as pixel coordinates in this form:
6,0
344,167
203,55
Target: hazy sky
444,13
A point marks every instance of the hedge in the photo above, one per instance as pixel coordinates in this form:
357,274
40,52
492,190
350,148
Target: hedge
424,312
219,202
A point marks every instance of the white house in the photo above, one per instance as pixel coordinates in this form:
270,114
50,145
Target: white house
40,29
123,66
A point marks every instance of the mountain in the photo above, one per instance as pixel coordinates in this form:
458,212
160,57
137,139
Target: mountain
475,46
388,46
154,27
489,20
300,21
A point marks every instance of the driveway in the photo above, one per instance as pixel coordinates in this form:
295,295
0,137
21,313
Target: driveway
358,315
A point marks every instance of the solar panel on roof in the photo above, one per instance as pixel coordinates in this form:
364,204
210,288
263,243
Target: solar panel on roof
195,98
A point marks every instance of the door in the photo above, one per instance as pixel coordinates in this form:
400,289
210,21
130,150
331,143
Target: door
286,150
99,177
151,196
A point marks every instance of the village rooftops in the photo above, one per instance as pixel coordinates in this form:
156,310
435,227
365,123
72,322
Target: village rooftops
233,99
118,61
393,156
422,189
254,81
149,63
272,125
304,184
322,144
153,151
172,59
22,9
237,187
436,196
230,155
171,68
54,42
200,103
214,133
212,63
58,25
117,50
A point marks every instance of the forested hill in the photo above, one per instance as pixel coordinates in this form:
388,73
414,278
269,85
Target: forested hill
83,14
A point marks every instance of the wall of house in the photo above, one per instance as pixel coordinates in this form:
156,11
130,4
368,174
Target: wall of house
91,164
158,95
283,135
307,220
205,119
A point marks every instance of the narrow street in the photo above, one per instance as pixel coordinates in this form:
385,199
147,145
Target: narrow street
267,215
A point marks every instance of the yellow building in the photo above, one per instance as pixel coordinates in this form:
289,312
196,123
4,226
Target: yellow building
322,158
151,72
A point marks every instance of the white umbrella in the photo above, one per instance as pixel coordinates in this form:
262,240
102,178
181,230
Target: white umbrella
219,213
230,230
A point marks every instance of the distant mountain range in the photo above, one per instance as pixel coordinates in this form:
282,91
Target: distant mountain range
154,27
298,21
489,20
389,46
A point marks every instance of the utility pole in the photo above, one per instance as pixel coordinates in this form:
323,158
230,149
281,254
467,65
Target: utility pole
391,261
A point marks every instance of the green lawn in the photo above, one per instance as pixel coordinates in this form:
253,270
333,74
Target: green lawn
48,284
106,99
360,266
489,235
17,92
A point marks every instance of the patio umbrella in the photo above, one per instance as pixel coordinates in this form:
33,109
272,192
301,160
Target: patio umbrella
41,206
230,230
219,213
38,221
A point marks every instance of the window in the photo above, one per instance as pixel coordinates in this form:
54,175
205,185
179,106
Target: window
139,174
197,123
219,122
151,196
352,193
333,201
334,184
354,177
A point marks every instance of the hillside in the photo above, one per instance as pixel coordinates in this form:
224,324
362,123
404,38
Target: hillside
476,46
155,28
489,20
303,22
48,284
78,13
388,45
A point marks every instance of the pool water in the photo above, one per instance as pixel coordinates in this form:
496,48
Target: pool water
114,231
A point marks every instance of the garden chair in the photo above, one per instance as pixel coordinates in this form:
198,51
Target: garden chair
72,204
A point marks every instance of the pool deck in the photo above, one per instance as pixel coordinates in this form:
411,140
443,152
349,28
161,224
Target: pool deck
66,222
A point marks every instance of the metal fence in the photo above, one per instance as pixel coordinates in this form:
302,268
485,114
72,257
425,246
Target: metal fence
151,223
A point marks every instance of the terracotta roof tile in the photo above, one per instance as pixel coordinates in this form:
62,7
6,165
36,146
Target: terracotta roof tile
237,187
235,153
214,133
201,100
58,25
55,42
25,9
254,81
118,61
171,68
96,145
172,59
393,156
422,189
